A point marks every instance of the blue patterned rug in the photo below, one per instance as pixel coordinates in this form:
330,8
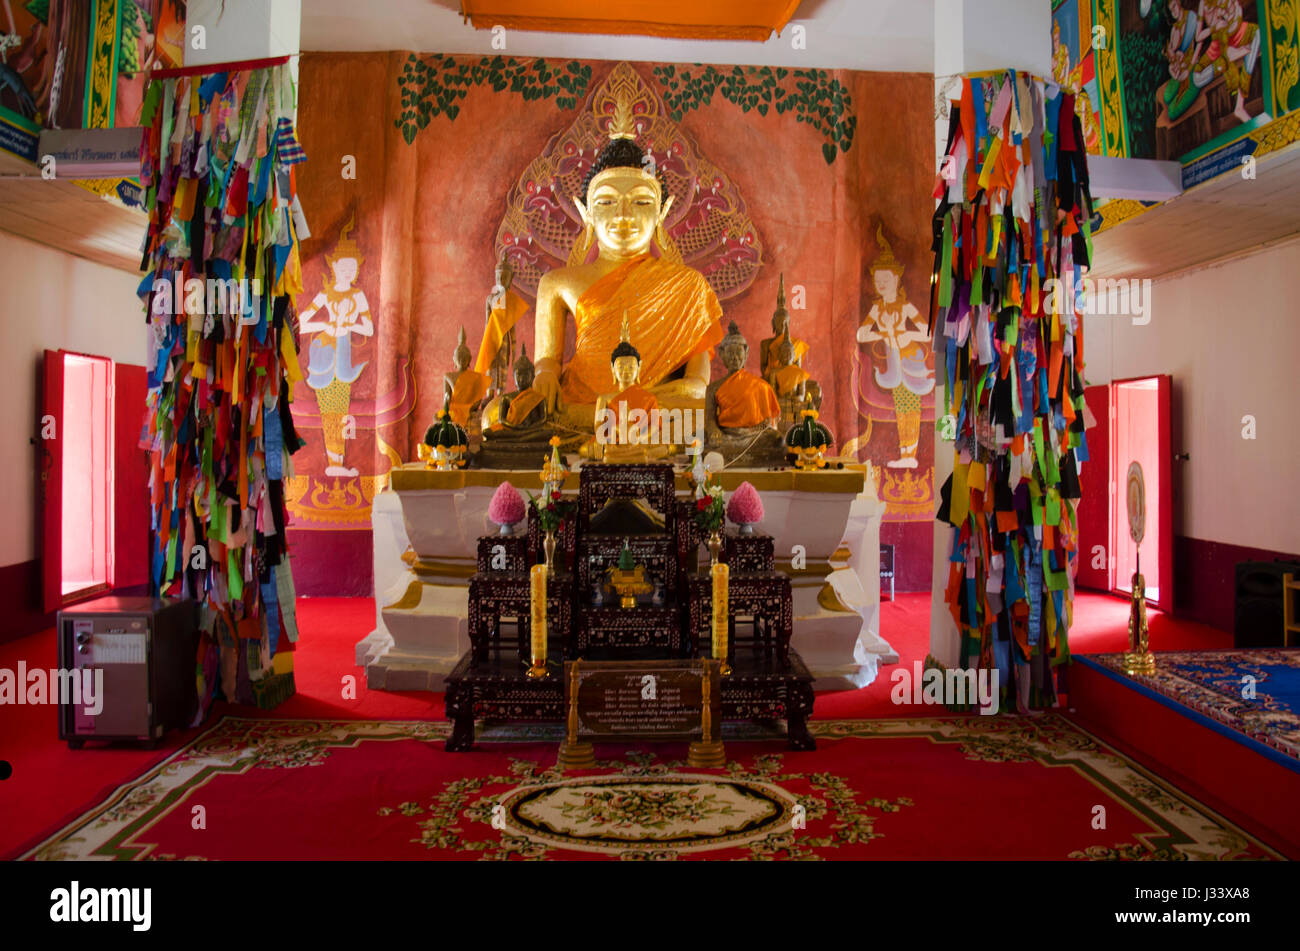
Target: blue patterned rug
1255,692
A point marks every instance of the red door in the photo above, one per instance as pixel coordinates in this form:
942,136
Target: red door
94,478
1094,507
1140,418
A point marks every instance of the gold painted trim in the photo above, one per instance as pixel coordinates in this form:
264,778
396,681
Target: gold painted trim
409,600
444,567
829,598
414,477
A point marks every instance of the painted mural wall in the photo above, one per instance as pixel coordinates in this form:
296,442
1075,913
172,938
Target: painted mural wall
1206,83
426,168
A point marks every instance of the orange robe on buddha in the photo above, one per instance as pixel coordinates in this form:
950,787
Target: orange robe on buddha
788,377
499,323
744,399
800,348
468,389
672,316
521,404
636,397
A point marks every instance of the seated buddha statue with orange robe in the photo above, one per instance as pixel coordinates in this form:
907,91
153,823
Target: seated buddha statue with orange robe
741,409
464,388
525,407
623,430
672,313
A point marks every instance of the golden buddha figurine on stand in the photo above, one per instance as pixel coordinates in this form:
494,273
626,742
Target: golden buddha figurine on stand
791,382
672,312
623,431
767,350
741,410
464,389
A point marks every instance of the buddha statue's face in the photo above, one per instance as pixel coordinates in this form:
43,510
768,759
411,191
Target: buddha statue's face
626,370
524,377
734,355
785,352
623,209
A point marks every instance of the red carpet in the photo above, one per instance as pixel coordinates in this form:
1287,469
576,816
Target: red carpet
965,788
50,783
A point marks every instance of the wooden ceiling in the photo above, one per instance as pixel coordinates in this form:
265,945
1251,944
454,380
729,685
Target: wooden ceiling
1222,218
67,216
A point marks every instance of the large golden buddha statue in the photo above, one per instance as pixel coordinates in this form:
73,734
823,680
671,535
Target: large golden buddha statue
671,311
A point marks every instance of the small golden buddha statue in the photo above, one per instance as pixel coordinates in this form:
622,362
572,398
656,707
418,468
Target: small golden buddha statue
673,313
463,389
795,388
767,361
623,430
741,409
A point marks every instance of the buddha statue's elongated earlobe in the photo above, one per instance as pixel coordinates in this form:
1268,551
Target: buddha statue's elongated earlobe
578,253
667,249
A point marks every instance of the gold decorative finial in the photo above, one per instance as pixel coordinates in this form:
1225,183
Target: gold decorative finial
625,332
885,260
622,125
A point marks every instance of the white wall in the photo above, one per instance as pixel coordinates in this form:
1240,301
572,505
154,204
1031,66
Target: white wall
1229,335
50,300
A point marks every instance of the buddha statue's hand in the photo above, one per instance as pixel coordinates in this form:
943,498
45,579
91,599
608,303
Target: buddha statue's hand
684,389
547,383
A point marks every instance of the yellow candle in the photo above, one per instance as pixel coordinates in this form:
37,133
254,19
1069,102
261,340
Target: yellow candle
720,576
537,595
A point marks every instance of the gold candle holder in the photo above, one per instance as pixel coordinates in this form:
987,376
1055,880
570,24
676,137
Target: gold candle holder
708,752
573,754
1138,659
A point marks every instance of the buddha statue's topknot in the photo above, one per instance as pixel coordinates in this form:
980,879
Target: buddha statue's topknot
622,152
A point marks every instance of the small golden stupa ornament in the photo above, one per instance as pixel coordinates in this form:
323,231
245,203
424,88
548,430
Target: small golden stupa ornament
628,579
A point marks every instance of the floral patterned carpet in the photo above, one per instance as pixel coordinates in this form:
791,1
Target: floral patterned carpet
956,788
1254,691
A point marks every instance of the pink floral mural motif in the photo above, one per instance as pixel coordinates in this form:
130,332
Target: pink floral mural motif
708,222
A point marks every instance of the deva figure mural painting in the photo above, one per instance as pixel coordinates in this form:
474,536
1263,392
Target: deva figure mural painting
337,314
897,337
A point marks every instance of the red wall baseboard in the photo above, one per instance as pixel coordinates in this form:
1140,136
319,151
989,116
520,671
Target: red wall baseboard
20,600
913,563
332,564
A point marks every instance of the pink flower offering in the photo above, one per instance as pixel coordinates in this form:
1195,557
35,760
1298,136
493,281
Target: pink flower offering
745,507
507,505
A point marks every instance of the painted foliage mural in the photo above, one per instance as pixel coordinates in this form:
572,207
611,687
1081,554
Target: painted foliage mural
432,167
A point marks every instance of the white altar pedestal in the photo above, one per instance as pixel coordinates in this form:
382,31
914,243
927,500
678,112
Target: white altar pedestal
826,533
